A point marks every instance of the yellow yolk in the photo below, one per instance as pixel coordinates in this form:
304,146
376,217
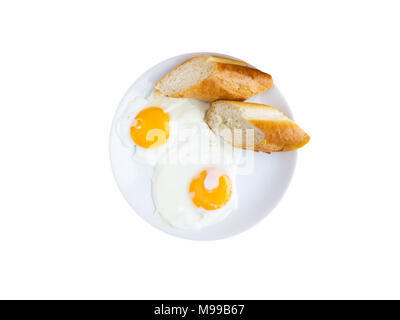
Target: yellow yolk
150,128
210,199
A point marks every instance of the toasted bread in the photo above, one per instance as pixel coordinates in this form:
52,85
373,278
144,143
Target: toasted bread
211,78
255,126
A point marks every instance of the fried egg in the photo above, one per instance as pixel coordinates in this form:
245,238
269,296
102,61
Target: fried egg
152,125
194,186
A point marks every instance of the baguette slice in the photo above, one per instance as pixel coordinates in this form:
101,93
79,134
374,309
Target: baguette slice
255,126
211,78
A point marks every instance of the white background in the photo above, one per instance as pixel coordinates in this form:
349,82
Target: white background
67,232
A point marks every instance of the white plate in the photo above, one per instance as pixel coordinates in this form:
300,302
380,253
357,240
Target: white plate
258,192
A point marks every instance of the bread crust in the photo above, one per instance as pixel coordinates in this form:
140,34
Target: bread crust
230,80
280,135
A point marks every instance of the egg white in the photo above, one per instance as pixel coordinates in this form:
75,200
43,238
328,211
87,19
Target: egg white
172,178
186,118
191,148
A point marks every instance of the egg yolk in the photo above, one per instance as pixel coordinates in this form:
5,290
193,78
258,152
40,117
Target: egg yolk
150,128
210,199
